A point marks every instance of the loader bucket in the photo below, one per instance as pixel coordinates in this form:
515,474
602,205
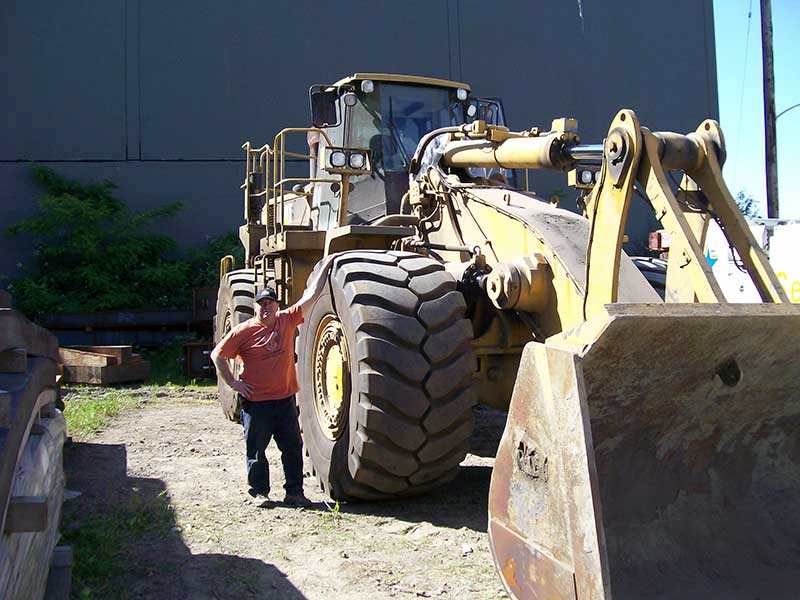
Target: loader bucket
658,459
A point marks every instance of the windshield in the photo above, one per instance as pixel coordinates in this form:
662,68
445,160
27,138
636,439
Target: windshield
390,122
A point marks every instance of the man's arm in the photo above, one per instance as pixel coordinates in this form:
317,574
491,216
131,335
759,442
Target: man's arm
316,286
224,371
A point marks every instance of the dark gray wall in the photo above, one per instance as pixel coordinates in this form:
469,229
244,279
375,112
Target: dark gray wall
159,97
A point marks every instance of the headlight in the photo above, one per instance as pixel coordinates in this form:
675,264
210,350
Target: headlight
357,160
367,86
586,177
338,159
461,94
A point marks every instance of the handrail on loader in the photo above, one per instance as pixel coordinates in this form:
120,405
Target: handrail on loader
265,161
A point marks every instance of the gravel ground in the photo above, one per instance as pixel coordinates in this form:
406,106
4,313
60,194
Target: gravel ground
225,544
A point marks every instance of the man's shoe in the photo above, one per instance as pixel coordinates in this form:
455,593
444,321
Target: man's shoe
258,492
297,500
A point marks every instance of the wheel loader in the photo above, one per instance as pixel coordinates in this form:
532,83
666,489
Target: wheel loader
651,447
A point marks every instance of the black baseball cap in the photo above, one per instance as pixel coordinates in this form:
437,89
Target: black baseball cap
267,293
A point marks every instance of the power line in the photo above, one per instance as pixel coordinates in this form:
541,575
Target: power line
786,110
741,96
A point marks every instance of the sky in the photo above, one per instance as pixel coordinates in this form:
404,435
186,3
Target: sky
741,106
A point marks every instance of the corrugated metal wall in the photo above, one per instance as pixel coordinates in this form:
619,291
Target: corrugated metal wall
159,97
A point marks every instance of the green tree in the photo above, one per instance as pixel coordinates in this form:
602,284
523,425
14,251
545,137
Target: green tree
93,253
747,205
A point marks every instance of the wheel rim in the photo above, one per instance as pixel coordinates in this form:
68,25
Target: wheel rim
331,377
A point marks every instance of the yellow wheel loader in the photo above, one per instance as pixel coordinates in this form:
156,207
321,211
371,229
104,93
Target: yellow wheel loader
651,448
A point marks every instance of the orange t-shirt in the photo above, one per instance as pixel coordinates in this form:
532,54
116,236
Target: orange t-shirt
267,354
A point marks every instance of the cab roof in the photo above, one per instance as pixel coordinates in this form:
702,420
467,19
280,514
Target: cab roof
430,81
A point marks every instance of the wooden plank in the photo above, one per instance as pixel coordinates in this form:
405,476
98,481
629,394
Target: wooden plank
27,394
13,360
26,514
5,409
59,579
25,559
136,371
17,332
122,353
83,358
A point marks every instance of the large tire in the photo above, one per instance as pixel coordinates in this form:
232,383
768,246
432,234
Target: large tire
386,374
234,306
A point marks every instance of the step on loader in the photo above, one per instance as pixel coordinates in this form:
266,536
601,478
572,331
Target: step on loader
651,448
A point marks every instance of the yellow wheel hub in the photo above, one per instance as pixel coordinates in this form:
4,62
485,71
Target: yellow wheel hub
331,377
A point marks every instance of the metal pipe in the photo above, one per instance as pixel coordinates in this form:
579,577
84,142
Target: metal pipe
447,247
587,153
677,152
544,152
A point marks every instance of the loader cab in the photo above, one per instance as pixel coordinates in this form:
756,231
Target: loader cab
388,115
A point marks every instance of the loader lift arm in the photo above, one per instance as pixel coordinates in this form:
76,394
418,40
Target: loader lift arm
634,154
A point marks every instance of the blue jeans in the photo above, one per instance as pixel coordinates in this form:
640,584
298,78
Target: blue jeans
261,421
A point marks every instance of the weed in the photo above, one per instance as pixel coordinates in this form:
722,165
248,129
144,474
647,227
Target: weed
88,411
332,518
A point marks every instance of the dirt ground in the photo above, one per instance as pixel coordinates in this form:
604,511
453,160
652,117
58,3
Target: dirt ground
225,544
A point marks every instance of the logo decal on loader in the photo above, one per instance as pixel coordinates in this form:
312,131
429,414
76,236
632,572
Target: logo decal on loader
531,461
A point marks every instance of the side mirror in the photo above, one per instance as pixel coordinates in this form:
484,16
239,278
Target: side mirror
324,106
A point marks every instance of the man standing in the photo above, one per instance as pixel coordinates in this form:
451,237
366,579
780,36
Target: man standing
268,383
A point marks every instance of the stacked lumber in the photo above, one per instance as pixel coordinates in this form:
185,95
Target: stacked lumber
32,433
101,365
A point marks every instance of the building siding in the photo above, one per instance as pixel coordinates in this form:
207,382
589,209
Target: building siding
158,97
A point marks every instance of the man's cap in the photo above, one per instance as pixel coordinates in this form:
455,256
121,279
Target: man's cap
267,293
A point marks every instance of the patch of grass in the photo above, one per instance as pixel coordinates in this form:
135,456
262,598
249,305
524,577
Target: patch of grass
99,541
332,517
88,410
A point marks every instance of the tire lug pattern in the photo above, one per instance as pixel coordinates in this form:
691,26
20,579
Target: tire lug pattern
413,367
235,297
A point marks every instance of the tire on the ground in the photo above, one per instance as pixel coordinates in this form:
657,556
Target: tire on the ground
411,371
234,306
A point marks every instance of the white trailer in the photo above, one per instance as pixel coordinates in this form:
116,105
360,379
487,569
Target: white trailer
781,240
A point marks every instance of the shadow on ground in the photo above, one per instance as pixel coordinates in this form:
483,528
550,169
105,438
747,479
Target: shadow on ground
152,560
464,502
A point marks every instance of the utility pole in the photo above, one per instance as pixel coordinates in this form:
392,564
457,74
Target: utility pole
770,138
